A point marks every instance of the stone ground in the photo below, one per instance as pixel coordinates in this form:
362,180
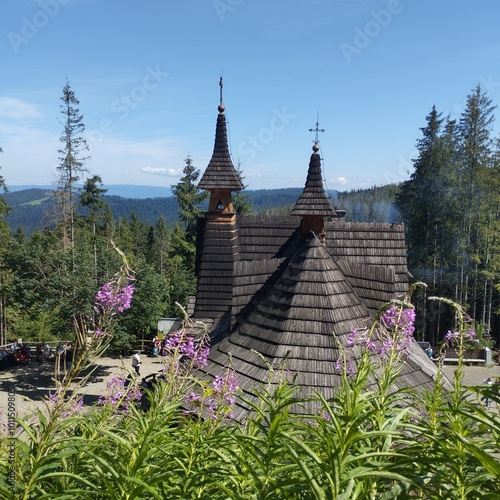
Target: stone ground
33,382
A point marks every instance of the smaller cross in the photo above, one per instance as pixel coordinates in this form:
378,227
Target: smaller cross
316,130
220,85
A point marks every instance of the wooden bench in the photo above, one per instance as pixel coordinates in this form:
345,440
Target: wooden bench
450,355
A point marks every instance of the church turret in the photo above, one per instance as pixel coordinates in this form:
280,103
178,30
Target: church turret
220,177
313,205
219,240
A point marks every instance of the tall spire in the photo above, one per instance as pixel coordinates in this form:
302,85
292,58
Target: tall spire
220,173
313,200
313,205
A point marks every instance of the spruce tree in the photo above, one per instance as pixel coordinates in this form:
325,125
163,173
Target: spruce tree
91,199
189,198
475,158
241,203
71,162
429,211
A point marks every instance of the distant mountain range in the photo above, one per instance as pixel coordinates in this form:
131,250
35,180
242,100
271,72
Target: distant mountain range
32,206
123,190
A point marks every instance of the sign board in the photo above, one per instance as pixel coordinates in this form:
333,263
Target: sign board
167,325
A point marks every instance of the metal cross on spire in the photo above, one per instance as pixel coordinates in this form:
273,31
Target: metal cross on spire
221,105
316,130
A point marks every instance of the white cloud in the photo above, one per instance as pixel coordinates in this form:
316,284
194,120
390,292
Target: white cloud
341,180
17,109
165,172
30,157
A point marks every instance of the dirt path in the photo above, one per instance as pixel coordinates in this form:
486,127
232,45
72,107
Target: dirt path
33,382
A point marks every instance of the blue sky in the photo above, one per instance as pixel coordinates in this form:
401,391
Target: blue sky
146,74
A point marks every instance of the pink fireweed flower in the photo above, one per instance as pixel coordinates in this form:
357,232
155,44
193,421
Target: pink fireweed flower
71,407
75,407
113,298
187,348
119,394
348,365
398,327
453,337
472,336
326,416
394,334
217,401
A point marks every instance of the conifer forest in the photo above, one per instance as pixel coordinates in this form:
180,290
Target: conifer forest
103,282
450,206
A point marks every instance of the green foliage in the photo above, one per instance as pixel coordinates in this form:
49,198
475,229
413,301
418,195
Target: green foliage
241,200
151,299
189,197
35,324
450,208
370,440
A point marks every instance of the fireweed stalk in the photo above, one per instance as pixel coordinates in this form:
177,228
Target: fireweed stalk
184,352
460,338
65,404
384,347
111,299
215,401
388,339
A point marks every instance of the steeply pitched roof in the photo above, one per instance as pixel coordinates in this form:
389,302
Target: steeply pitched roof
367,243
371,256
313,200
220,173
303,319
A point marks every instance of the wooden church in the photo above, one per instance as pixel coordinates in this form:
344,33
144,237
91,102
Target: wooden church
286,291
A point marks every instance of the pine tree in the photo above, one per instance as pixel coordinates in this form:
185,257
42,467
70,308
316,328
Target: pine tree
241,203
72,159
476,157
189,197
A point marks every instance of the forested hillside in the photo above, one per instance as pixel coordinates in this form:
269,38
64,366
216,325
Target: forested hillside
32,208
56,250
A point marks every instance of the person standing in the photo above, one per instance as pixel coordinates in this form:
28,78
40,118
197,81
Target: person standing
486,399
136,362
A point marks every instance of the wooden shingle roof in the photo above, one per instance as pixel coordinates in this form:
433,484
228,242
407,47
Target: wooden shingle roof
215,265
381,245
303,318
220,173
313,200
